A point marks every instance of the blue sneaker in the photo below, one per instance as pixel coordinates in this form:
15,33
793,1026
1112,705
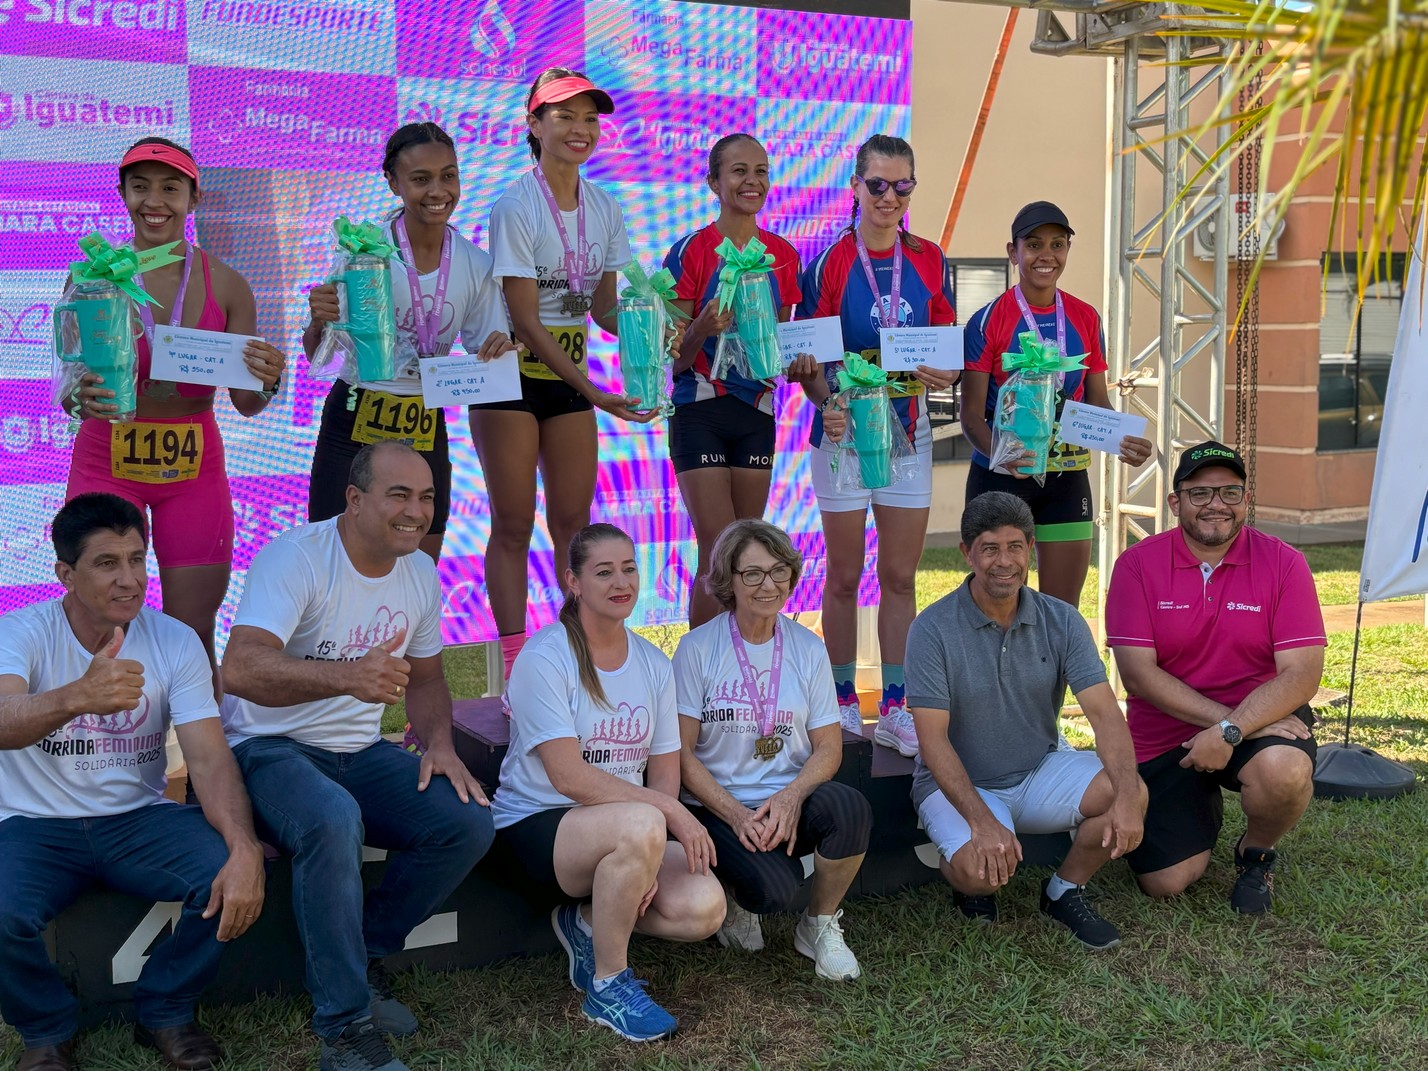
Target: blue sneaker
625,1007
565,921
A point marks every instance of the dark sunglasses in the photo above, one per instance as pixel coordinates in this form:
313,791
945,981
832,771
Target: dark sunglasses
879,186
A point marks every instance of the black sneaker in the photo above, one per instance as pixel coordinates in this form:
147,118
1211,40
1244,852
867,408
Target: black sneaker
1074,912
389,1014
358,1048
1254,883
976,908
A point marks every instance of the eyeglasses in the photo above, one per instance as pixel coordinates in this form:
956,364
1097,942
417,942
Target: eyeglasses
1231,495
780,574
879,186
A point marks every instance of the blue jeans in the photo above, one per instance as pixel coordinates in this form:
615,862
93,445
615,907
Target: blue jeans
320,807
159,852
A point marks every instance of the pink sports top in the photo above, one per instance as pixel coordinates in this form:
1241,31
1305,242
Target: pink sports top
210,318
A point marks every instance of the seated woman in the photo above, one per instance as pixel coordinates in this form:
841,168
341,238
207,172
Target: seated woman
761,739
592,724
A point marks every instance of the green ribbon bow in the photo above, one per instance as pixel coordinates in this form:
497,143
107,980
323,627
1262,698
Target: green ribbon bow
159,256
750,260
1041,356
362,238
108,263
659,285
859,373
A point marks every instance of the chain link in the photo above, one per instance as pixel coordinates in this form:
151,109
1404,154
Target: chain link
1247,335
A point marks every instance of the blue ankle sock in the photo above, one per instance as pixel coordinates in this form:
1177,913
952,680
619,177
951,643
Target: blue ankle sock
894,684
844,678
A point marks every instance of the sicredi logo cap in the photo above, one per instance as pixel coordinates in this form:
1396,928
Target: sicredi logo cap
1205,455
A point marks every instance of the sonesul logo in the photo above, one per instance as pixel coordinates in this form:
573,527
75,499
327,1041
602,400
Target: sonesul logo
492,34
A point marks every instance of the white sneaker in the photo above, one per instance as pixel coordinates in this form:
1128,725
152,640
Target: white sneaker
895,730
851,715
820,938
741,928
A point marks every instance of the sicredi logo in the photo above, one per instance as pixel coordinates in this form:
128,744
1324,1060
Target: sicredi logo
1211,451
98,14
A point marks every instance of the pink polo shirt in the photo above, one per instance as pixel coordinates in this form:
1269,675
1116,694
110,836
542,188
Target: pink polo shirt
1216,630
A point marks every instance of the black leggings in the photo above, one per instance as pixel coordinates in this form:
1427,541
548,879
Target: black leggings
836,822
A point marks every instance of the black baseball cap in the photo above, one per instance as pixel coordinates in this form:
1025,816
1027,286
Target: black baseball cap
1204,456
1037,214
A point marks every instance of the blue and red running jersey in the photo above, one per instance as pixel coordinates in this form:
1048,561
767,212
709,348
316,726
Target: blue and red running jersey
996,329
836,285
695,267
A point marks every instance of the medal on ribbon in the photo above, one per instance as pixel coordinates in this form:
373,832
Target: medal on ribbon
765,707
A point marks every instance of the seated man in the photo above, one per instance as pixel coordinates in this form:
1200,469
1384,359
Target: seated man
1218,636
987,669
337,619
89,684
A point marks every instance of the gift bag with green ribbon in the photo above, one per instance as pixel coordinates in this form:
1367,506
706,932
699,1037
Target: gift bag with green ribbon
94,325
884,453
1025,420
646,311
363,343
750,346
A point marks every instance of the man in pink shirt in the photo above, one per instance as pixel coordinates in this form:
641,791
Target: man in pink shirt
1219,638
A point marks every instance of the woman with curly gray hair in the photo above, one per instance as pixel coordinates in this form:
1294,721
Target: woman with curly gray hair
761,741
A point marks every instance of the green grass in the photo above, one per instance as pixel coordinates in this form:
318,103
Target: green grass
1335,979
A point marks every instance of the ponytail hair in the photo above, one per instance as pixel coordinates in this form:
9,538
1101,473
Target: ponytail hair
897,149
550,74
404,137
579,554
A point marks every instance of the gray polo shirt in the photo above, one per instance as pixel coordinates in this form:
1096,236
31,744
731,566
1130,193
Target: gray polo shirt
1003,690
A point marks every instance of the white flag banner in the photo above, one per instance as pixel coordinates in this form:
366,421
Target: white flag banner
1396,546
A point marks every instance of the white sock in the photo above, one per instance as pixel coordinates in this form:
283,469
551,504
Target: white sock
580,921
1058,885
599,984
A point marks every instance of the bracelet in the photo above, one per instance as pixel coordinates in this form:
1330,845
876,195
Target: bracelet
823,405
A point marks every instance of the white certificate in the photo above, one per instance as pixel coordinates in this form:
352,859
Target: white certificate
212,358
463,380
904,348
1097,428
821,336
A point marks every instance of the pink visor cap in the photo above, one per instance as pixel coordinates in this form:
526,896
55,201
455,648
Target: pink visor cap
559,89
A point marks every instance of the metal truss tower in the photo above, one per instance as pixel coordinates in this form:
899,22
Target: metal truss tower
1167,326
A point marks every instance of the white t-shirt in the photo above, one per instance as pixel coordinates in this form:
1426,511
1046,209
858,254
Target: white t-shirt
526,245
548,702
711,690
471,308
96,765
304,590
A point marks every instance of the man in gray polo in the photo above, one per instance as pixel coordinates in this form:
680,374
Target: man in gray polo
988,666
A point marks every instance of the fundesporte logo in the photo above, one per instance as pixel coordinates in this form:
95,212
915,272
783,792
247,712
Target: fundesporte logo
97,14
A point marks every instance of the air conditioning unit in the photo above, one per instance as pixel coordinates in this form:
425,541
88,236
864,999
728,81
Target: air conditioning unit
1204,239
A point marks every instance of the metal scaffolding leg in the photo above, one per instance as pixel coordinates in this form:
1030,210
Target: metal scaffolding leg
1177,377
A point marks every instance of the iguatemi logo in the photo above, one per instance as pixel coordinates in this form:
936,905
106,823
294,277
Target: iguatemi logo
815,57
53,109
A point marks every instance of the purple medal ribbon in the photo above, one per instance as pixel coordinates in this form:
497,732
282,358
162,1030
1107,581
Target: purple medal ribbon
574,257
894,298
1031,323
146,315
765,709
428,329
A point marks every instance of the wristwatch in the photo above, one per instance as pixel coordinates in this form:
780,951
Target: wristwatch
1230,732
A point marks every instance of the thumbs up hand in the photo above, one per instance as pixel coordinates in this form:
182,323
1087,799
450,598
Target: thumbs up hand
111,684
379,676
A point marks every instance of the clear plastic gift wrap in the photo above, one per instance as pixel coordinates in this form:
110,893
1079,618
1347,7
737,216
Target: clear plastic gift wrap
95,328
750,346
645,316
362,345
875,451
1025,418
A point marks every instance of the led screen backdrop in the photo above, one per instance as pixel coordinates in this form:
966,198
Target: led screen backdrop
287,103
